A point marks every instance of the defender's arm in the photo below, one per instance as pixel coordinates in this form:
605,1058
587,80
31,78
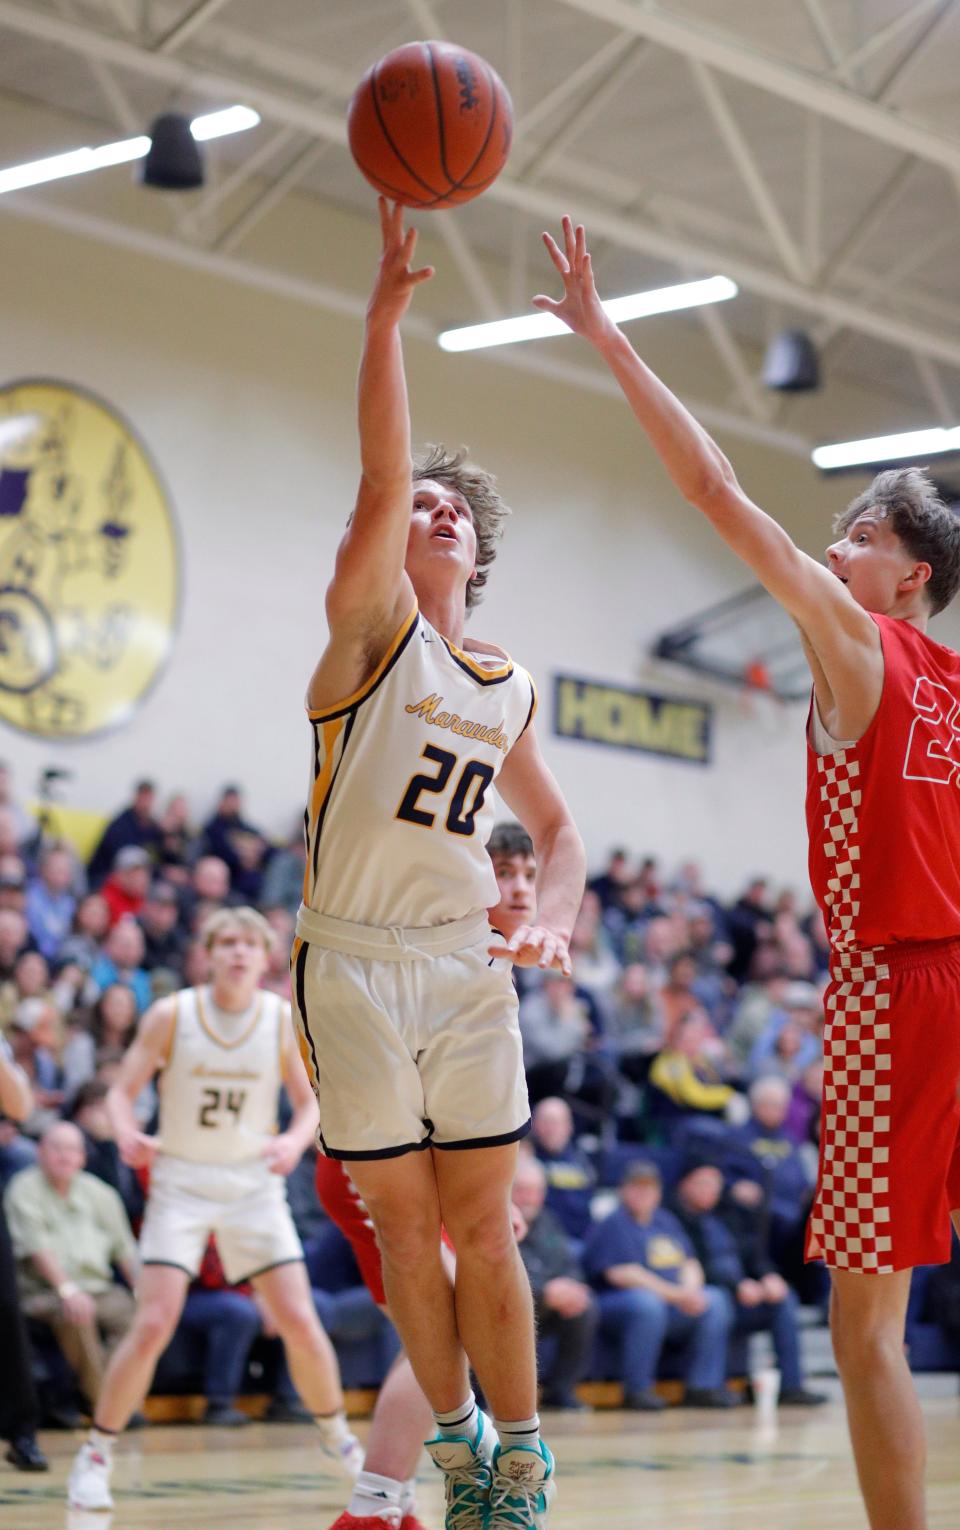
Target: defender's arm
839,630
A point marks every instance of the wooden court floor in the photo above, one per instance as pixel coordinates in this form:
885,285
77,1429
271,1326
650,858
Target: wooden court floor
682,1471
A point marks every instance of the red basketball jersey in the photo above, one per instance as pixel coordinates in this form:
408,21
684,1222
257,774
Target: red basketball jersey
884,815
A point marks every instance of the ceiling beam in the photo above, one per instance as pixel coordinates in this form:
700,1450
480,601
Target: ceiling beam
887,34
330,299
630,233
749,171
181,31
800,86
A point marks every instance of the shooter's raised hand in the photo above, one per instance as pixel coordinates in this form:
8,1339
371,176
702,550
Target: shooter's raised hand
396,280
580,307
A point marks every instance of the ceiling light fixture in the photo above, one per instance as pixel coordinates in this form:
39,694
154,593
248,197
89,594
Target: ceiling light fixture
636,305
56,167
908,443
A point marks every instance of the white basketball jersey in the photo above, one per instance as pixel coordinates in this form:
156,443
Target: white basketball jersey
219,1088
399,807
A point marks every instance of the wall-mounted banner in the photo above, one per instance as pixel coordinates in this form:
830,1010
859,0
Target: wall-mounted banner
627,719
89,568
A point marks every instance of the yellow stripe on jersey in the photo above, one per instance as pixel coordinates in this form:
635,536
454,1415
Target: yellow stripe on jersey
331,735
304,1045
482,672
373,680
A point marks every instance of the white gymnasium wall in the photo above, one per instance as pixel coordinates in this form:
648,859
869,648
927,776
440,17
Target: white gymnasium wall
246,402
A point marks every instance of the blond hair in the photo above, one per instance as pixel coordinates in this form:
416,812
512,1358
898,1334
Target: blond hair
246,919
479,489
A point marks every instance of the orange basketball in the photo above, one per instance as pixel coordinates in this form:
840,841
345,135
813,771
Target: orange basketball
430,125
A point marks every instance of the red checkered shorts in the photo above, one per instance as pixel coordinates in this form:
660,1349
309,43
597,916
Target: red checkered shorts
890,1129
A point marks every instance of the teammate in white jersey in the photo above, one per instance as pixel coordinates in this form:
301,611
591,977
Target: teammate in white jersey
408,1013
217,1165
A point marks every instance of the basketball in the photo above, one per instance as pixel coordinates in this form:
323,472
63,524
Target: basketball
430,125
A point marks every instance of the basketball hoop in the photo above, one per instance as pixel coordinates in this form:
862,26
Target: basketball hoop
756,675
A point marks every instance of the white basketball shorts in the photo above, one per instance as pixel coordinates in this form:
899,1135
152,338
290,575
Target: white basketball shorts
410,1037
243,1205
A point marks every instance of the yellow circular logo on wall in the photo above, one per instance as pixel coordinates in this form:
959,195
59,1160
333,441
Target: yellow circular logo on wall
89,568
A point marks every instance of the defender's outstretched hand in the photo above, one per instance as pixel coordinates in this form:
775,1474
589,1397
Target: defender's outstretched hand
580,307
395,281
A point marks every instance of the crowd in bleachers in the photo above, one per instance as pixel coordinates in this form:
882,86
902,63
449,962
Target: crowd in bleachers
675,1077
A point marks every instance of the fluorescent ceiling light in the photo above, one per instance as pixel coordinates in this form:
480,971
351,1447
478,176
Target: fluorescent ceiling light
908,443
233,119
636,305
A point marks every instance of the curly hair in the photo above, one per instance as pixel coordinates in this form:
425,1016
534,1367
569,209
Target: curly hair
928,528
479,489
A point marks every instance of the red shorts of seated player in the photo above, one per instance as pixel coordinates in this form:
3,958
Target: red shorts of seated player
890,1128
340,1199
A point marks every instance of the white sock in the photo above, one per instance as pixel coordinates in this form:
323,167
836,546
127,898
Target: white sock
372,1495
333,1427
408,1495
460,1423
522,1431
103,1441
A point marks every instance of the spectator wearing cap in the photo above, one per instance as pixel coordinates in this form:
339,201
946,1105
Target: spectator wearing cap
135,825
609,884
228,835
68,1231
790,1042
121,961
749,922
570,1176
651,1290
159,920
564,1304
734,1260
50,901
125,890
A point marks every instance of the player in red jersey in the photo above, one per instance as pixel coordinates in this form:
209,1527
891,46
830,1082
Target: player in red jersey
384,1494
883,813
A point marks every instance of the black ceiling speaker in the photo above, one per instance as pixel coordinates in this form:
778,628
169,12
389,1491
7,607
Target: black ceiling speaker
791,364
174,161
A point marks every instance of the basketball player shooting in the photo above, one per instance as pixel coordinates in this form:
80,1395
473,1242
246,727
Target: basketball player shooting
883,816
384,1494
407,1011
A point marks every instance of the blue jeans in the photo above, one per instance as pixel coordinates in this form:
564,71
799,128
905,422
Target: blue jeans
223,1324
643,1322
780,1318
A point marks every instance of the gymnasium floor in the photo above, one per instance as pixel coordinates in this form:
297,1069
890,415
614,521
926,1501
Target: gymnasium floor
683,1471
